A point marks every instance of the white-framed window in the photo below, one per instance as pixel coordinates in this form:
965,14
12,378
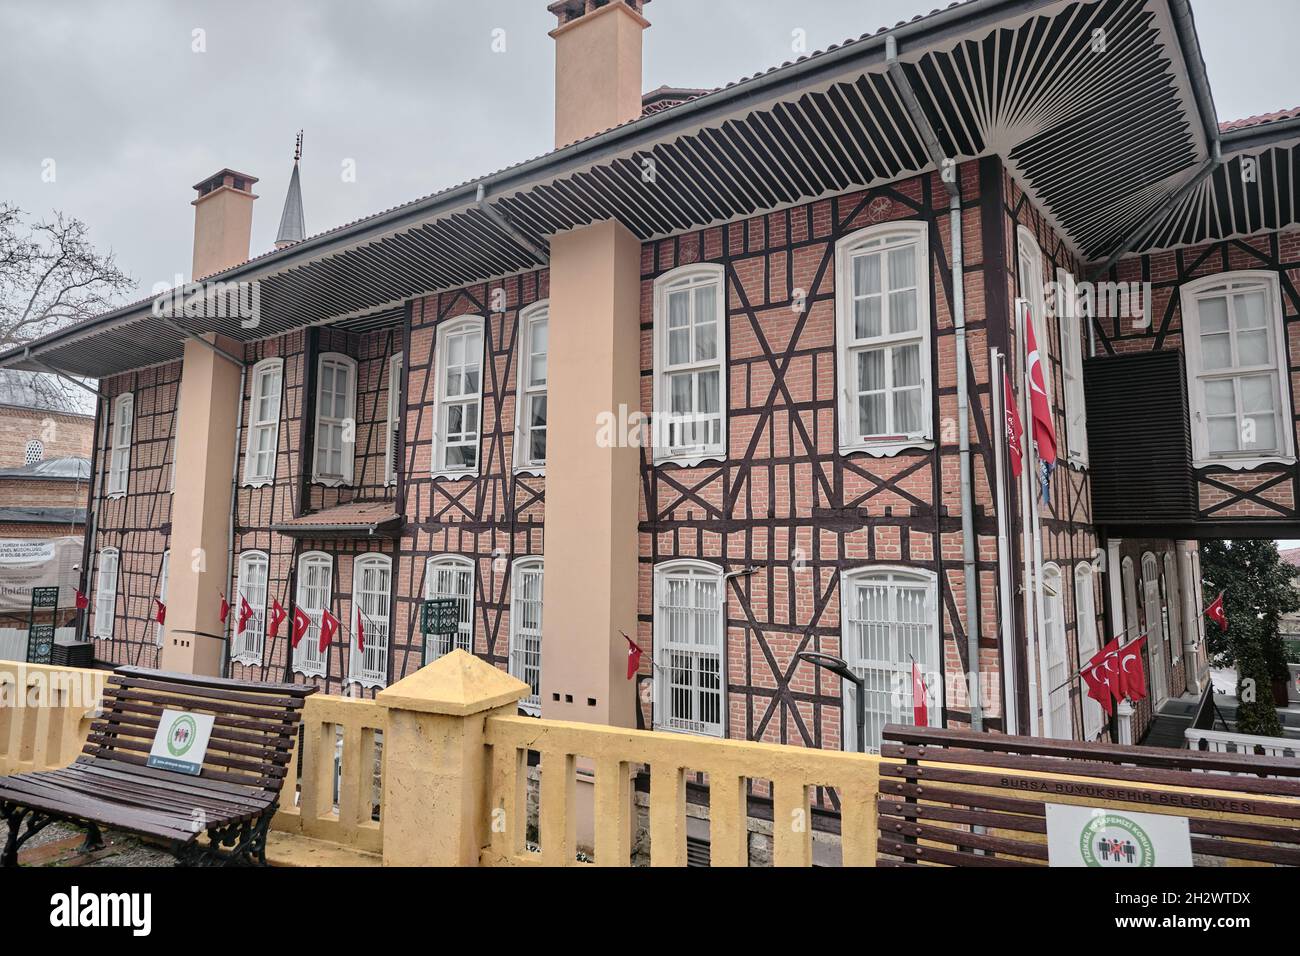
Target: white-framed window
119,458
248,647
882,304
690,648
1085,613
1070,319
526,628
1128,583
1173,608
1235,349
393,428
336,401
263,422
459,416
1155,624
530,405
34,452
313,595
372,584
690,364
1058,666
106,593
1033,290
162,596
450,576
890,617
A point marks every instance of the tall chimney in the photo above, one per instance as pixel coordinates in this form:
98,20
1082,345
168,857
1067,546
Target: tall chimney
597,65
223,222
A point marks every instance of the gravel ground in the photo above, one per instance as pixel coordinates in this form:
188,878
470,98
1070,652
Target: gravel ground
120,849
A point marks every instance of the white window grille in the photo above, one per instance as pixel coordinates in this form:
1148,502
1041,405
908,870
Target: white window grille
247,647
526,629
690,353
372,580
883,336
450,576
336,393
34,452
1085,607
459,349
530,432
1070,318
106,593
1060,724
392,433
1237,374
119,461
1155,625
264,422
315,574
890,618
689,648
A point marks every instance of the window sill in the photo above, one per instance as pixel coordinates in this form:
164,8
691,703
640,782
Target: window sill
885,449
256,482
534,471
370,682
116,494
1078,463
331,482
248,660
1240,464
692,459
454,475
708,735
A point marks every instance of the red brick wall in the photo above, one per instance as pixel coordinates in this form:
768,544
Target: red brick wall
61,435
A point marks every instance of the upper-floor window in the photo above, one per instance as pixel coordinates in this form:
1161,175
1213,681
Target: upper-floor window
336,398
459,349
372,582
1058,667
1033,290
450,576
889,619
689,648
248,643
264,422
1085,612
530,407
315,573
882,304
106,593
34,452
393,429
526,629
1237,370
162,595
119,457
1070,318
690,352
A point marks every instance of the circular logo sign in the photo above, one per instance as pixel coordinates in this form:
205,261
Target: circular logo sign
182,735
1113,840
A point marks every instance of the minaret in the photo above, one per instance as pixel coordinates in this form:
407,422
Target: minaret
292,227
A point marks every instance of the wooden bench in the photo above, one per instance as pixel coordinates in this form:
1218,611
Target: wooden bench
232,799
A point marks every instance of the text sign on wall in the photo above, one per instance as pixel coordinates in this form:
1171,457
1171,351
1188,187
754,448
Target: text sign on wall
1105,837
181,742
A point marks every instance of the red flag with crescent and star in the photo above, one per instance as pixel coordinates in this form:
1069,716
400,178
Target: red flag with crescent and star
301,624
920,713
1133,677
1039,411
1217,614
633,656
245,614
1098,689
277,617
329,625
1015,430
361,631
1108,669
160,612
83,602
225,608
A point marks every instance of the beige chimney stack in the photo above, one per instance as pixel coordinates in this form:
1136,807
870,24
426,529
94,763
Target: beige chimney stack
223,222
597,65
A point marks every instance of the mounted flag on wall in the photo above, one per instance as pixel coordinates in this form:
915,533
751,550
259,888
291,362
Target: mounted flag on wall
1217,614
1040,411
1015,430
277,618
301,625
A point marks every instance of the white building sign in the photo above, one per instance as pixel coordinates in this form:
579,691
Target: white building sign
1106,837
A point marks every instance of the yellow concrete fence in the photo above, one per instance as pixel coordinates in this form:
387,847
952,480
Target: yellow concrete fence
45,714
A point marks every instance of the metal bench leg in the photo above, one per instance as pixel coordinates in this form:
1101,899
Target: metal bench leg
94,839
14,816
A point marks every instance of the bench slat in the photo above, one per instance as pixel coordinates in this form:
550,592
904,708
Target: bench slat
205,693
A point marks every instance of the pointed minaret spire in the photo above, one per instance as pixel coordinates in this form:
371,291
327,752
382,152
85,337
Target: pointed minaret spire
292,226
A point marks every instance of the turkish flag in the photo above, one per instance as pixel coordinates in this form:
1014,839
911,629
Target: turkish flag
1216,612
361,631
1133,676
329,625
160,614
277,617
1040,412
1108,669
1098,689
83,602
225,609
1015,430
301,624
245,614
633,656
920,713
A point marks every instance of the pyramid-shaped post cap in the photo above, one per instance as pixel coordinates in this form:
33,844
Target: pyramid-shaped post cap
458,684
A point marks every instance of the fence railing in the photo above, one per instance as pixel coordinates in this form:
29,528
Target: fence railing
45,714
334,787
1221,741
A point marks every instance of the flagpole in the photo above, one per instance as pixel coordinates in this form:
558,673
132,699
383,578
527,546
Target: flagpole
1006,587
1032,544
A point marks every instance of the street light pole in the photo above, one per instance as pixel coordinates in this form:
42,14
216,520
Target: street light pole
840,667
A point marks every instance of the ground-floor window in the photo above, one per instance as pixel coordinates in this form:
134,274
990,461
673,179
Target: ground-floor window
372,581
315,572
106,593
450,576
1085,607
688,648
889,619
526,629
1058,668
249,638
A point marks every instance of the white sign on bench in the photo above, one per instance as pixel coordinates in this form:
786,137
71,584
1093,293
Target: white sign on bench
181,742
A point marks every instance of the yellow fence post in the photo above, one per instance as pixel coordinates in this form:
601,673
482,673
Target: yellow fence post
437,762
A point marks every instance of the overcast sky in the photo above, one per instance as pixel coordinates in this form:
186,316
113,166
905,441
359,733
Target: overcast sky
410,90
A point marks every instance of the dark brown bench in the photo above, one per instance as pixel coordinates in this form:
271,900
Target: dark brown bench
232,799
